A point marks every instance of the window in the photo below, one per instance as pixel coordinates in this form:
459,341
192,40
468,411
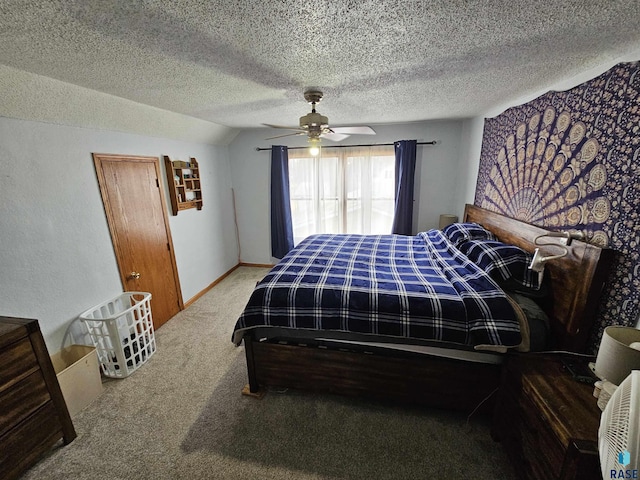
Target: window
344,190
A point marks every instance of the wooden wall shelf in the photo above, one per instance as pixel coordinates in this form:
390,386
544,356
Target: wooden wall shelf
183,179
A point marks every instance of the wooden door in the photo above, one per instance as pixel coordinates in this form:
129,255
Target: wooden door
134,203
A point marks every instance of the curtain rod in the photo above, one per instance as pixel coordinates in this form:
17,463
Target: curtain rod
433,142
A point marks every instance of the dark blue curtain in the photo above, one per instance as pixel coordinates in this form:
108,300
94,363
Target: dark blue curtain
405,173
281,227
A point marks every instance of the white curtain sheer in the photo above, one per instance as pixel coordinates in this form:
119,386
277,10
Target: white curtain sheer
344,190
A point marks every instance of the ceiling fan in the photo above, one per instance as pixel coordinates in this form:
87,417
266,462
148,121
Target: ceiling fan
316,126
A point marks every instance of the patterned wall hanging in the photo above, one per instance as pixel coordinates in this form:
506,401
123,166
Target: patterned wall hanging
571,161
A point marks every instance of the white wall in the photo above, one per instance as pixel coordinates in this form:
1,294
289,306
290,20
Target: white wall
56,254
471,146
437,168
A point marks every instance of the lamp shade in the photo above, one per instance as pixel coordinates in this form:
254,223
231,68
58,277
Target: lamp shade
616,358
447,220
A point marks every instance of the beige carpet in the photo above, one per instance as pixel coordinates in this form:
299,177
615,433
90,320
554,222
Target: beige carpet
181,416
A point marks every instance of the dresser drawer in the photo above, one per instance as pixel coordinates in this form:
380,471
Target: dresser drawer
21,446
22,399
539,442
33,413
17,361
527,438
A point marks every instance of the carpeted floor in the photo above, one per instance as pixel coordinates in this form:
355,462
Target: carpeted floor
181,416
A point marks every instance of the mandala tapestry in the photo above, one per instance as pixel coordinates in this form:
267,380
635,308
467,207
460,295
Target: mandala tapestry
571,161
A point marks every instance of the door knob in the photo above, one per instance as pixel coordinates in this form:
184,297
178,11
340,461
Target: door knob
134,276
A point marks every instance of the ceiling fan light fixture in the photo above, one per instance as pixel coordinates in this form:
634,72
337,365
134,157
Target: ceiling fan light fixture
314,147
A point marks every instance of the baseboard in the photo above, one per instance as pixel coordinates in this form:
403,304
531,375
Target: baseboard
206,289
258,265
222,277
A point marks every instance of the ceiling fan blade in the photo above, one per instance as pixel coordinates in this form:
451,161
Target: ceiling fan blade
333,136
281,126
285,135
355,130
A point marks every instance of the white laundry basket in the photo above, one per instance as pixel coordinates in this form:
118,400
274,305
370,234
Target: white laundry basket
122,332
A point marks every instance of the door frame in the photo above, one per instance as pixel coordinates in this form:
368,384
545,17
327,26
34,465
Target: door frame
98,158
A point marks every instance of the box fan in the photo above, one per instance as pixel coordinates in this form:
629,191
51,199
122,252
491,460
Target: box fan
619,433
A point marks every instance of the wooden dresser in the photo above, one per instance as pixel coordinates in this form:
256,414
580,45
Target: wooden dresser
547,421
33,413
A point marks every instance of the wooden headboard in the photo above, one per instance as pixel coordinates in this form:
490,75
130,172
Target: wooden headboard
576,280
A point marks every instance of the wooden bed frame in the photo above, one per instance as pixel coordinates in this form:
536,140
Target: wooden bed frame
383,374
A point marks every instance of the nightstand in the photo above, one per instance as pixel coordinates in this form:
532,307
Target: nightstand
547,421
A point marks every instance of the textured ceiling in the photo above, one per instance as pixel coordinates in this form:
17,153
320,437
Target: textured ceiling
247,62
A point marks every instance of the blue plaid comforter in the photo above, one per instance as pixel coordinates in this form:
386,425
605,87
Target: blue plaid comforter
418,287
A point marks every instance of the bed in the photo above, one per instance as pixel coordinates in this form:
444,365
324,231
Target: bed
429,327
